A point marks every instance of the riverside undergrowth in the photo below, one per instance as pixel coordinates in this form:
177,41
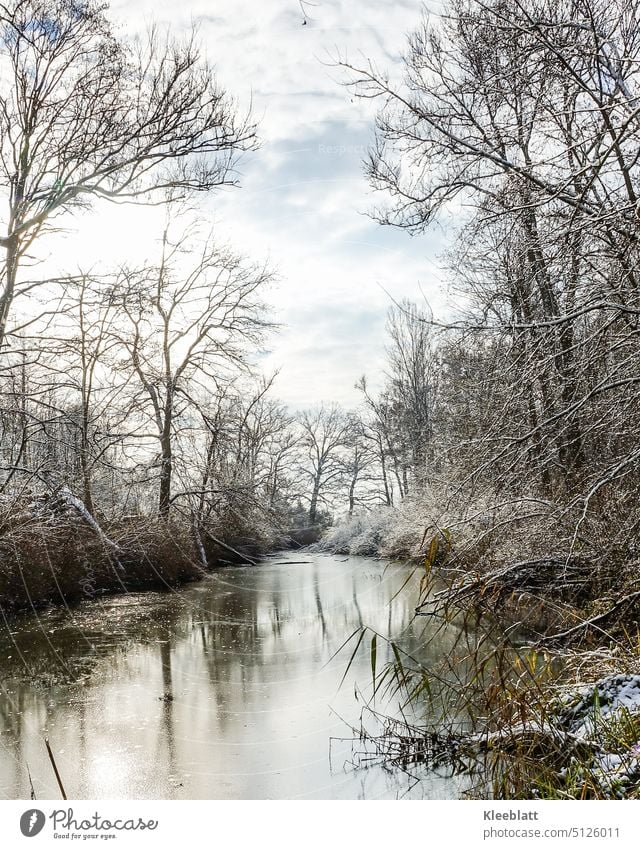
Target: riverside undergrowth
539,697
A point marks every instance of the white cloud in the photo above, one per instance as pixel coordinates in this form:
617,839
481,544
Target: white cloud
303,194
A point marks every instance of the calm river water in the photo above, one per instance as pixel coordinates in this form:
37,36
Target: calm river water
225,689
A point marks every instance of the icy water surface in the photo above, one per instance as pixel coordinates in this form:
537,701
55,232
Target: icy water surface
225,689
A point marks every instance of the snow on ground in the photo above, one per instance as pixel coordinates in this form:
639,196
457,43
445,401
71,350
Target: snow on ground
606,699
608,713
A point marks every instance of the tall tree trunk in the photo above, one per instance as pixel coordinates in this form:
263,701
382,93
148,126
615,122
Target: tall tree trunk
352,494
166,468
85,465
10,275
166,460
313,504
385,480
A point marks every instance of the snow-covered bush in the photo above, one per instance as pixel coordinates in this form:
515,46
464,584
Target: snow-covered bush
363,533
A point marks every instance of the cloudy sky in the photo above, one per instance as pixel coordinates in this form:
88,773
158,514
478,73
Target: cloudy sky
303,197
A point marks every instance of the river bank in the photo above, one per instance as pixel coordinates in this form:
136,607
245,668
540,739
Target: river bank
54,552
556,701
504,563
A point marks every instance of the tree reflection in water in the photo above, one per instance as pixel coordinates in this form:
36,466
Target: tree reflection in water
225,689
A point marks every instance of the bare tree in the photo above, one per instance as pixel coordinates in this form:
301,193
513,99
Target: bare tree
27,415
400,422
359,460
326,432
191,322
412,383
245,461
522,118
75,361
84,115
382,432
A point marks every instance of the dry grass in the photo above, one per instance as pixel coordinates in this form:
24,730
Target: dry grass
61,560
